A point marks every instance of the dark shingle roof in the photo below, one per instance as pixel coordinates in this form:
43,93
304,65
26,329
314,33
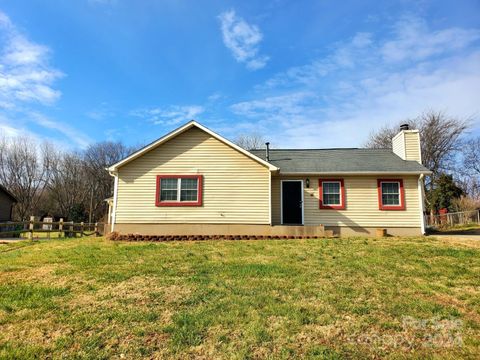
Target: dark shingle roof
339,160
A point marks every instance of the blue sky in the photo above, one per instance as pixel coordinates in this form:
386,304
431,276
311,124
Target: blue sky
301,73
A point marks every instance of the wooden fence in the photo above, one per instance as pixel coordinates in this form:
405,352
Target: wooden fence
34,229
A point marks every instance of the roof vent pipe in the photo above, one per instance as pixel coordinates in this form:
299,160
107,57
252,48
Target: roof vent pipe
267,151
404,127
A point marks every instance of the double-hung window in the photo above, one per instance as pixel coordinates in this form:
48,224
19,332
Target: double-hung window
390,194
179,190
332,194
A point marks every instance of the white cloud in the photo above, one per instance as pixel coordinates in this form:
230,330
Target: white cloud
339,99
344,56
279,107
215,97
62,127
102,112
26,81
243,40
170,115
25,72
415,41
25,130
7,130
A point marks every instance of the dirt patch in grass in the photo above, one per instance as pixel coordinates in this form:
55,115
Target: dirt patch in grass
451,240
33,274
41,332
467,312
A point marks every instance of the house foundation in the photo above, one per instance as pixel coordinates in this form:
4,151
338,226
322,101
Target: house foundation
220,229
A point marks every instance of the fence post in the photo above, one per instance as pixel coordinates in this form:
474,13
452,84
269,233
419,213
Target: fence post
30,227
81,228
478,216
96,229
60,227
71,229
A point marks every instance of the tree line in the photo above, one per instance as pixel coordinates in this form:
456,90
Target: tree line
48,181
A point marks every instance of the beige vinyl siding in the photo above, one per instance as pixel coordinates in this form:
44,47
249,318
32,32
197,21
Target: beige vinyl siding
235,187
412,146
398,145
406,144
361,204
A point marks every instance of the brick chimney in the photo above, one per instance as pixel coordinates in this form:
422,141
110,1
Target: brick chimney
406,144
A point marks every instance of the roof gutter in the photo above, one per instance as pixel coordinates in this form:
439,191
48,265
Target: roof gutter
112,171
423,172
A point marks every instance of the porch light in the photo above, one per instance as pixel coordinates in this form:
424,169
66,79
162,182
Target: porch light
307,183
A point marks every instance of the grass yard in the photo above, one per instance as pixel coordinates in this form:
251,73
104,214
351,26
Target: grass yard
326,298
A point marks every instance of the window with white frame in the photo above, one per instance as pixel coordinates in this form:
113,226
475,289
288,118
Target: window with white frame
331,193
390,193
173,190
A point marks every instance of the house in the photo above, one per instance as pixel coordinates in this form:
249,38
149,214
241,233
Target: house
193,181
7,199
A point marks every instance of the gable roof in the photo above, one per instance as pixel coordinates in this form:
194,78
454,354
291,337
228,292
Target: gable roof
180,130
341,161
8,193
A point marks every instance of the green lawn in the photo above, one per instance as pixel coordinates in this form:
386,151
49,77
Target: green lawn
324,298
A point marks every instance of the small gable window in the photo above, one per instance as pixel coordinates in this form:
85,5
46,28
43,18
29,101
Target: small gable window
179,190
391,194
332,194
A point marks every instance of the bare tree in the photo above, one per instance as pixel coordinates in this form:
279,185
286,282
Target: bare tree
441,137
25,169
471,156
465,203
250,141
69,184
470,169
45,180
96,158
382,138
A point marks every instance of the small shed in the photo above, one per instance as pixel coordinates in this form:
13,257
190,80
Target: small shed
7,199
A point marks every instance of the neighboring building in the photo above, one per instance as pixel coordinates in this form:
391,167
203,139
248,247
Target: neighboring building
6,204
195,182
